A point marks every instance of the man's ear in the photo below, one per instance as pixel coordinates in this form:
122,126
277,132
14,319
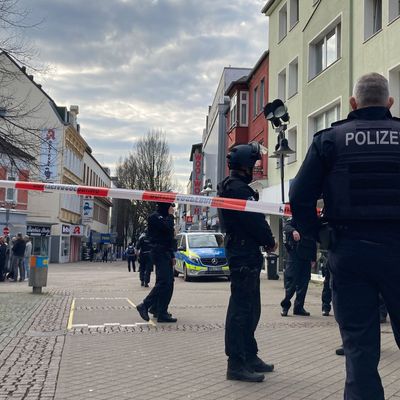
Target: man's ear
390,102
353,103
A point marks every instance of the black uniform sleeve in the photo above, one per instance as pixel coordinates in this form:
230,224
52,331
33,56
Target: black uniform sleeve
253,224
306,189
163,224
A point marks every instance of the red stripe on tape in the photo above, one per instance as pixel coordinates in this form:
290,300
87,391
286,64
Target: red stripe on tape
159,196
29,185
92,191
233,204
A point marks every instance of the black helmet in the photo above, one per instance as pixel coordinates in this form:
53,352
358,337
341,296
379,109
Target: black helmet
244,156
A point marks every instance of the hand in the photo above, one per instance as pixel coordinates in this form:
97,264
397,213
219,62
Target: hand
271,249
296,236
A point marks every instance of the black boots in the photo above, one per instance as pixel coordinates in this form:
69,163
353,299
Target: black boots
284,312
256,364
166,318
143,311
237,371
301,312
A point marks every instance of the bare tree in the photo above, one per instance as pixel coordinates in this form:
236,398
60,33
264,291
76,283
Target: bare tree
147,167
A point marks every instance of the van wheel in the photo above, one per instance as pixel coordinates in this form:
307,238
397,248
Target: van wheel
186,277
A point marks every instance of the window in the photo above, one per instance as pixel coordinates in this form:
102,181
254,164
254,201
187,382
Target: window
282,23
294,13
261,95
282,85
293,78
324,51
244,108
11,194
292,142
324,120
372,17
394,89
233,111
394,9
255,101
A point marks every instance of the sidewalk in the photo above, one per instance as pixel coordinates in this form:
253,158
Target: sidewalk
110,353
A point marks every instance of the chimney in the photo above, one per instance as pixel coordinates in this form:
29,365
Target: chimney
73,113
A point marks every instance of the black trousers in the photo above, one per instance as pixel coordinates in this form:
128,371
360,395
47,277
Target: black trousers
361,270
244,308
145,267
326,295
131,260
160,296
296,277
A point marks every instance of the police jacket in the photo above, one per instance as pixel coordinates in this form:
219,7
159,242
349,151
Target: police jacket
143,245
243,227
161,232
355,166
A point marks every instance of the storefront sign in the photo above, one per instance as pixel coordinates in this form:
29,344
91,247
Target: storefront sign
65,229
258,171
77,230
87,210
48,154
197,171
38,230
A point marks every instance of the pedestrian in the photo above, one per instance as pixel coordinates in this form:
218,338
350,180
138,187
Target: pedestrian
91,253
355,165
27,255
17,262
105,254
245,233
3,257
160,225
143,249
131,257
302,253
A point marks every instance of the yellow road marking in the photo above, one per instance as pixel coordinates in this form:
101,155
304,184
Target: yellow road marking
149,322
71,315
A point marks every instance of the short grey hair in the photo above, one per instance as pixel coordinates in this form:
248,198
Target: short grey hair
371,90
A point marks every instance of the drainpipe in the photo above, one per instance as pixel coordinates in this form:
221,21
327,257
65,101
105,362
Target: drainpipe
351,46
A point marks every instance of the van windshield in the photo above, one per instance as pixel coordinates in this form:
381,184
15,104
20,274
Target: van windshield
206,241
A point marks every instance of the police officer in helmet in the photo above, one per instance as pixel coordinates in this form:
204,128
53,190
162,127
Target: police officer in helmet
160,229
355,164
245,233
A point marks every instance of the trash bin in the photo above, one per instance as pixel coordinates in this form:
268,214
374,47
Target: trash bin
272,266
38,273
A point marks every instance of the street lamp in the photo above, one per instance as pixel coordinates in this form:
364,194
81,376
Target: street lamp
277,113
207,190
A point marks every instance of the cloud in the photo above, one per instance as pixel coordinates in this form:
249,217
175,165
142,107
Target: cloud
137,65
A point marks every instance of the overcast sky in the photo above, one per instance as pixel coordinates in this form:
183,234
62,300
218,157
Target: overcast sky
137,65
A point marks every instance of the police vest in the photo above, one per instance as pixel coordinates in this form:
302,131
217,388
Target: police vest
364,179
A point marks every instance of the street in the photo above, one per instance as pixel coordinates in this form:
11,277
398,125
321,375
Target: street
83,339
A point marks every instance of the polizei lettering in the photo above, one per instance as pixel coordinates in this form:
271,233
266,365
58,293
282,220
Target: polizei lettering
361,138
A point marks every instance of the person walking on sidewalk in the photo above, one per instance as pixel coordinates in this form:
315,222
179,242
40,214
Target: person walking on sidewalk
143,248
163,246
131,257
302,253
17,261
245,233
355,164
3,257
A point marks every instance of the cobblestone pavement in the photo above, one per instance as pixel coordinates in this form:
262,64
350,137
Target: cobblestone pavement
83,339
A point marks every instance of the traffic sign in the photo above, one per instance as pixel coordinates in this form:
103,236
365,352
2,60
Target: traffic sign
6,230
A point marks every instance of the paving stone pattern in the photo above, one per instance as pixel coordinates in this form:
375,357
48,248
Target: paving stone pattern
117,356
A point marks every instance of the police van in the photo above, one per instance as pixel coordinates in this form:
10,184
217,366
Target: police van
201,254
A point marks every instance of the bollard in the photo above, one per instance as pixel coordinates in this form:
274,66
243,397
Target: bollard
38,273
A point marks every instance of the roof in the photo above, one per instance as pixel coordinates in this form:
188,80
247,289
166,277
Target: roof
242,79
269,4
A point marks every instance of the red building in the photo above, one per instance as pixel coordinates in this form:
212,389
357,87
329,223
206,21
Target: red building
245,120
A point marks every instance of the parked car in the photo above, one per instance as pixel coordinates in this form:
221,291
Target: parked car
201,254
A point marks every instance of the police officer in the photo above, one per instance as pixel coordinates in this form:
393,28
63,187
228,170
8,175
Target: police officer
143,248
297,273
245,233
163,246
355,164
